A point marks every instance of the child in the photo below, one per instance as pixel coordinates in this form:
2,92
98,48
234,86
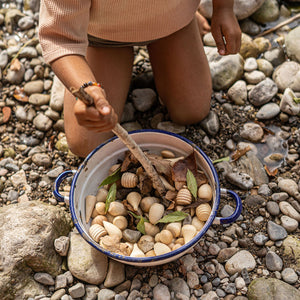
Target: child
90,42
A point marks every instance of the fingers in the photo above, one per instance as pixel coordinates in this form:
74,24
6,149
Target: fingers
220,43
232,38
100,117
228,40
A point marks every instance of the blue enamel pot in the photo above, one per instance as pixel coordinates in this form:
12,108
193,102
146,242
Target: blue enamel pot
95,168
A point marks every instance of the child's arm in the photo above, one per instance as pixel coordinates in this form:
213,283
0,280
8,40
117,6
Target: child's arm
73,71
225,28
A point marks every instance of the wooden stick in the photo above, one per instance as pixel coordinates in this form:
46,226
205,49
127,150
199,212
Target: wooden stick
123,135
288,21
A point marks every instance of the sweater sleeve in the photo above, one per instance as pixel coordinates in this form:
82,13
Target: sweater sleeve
63,28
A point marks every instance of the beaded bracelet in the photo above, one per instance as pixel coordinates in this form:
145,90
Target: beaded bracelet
90,83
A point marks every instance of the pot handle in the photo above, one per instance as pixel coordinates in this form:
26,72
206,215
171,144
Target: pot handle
236,213
57,184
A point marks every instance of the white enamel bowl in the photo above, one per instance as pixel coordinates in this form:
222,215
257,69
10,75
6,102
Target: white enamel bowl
95,168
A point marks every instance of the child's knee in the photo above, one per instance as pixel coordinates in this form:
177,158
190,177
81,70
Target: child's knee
191,113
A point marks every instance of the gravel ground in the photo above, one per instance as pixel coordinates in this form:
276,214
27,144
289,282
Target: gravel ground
32,140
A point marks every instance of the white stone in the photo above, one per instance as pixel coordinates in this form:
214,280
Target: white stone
239,261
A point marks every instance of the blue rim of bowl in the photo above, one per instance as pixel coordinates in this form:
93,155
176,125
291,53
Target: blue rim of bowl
162,257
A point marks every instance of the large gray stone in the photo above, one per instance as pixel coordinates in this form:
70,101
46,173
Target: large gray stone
287,75
292,43
225,70
27,234
85,262
271,288
268,12
242,8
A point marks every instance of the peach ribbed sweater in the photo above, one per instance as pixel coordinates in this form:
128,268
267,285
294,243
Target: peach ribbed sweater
64,24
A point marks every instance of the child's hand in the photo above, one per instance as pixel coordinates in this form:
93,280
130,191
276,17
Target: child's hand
226,31
100,117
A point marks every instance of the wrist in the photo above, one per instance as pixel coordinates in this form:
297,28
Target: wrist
221,5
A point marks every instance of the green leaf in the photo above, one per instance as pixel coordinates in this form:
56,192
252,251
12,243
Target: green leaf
141,224
175,216
297,100
115,176
191,183
226,158
111,196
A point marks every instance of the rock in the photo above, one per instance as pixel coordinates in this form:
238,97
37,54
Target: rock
61,245
131,126
273,208
288,104
287,75
289,224
42,159
39,99
250,64
209,40
268,12
3,59
263,92
287,209
85,262
238,92
260,239
252,132
28,52
170,126
289,186
265,66
273,261
239,261
225,70
249,27
115,274
143,99
251,165
292,43
128,113
42,122
275,56
241,180
226,253
242,9
57,95
211,123
161,292
248,48
25,23
29,227
77,290
262,44
276,232
289,275
179,285
268,111
62,145
271,288
106,294
44,278
254,77
34,87
16,75
255,200
291,246
11,19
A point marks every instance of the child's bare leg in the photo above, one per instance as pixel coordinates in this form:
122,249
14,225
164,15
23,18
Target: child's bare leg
113,69
182,74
